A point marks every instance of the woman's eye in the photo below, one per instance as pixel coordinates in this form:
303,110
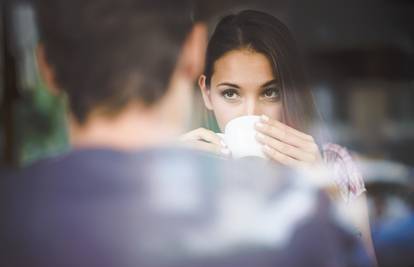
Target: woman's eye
271,93
230,94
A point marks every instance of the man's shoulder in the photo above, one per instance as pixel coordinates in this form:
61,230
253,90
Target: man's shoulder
203,203
104,166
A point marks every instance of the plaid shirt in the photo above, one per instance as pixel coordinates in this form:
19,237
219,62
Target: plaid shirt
345,172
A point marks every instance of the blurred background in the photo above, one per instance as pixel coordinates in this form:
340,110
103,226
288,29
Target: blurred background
360,59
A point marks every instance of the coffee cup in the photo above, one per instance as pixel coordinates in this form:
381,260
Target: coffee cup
240,137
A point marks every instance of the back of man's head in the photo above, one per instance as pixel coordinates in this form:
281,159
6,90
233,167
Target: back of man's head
106,53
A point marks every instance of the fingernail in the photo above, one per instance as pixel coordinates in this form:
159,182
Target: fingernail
223,144
265,118
225,151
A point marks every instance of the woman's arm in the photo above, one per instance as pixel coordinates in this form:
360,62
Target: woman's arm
356,212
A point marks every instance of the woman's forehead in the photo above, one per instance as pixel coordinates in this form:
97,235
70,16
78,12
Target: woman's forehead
245,68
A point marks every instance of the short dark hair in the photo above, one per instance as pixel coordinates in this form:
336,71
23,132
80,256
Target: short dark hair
263,33
106,53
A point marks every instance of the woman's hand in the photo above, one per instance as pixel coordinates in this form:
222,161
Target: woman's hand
286,145
205,140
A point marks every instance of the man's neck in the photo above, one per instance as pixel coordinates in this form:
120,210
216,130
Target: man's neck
132,129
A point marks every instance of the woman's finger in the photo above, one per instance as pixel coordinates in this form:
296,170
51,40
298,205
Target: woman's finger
287,137
202,134
281,134
280,157
275,123
209,147
286,149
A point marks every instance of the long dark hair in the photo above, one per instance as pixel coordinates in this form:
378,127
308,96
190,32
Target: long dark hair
263,33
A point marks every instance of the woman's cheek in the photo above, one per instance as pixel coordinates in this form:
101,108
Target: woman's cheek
273,111
224,115
224,112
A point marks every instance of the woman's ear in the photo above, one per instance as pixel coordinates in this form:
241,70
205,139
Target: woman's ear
206,93
46,71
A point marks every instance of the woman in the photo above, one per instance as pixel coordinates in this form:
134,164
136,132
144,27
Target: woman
253,68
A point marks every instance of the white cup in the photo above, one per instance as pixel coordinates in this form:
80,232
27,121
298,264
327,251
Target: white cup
240,137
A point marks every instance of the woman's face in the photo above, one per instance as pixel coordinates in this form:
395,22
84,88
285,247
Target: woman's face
242,84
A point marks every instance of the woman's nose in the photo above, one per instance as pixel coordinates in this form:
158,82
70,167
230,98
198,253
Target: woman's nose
252,108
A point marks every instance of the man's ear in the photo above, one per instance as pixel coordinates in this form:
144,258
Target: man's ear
192,56
205,92
175,108
46,71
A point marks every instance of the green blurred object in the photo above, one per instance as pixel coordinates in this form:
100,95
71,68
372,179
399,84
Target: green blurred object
210,122
40,124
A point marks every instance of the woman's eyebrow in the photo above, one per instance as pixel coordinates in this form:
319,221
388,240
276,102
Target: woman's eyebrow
229,84
271,82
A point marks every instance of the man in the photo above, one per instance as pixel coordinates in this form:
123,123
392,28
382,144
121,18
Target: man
121,197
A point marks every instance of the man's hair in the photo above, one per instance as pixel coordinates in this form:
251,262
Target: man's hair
107,53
